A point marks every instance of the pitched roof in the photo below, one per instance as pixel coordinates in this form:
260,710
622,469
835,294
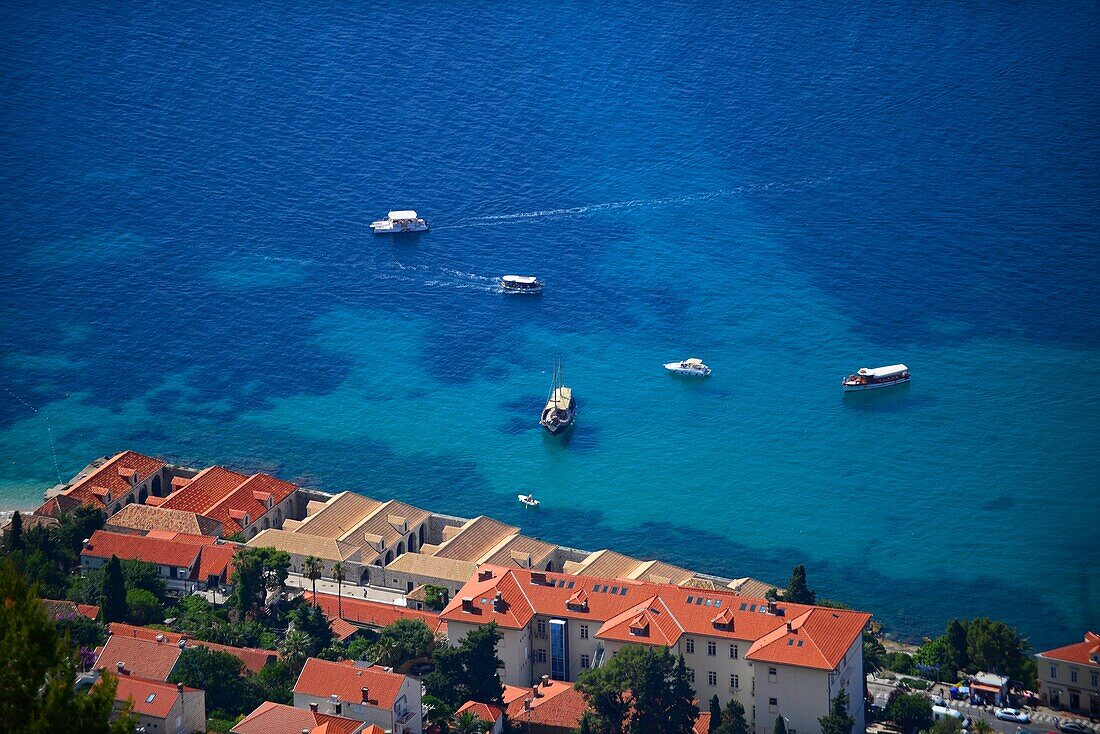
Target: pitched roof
390,522
444,569
252,499
303,544
113,476
254,658
373,614
152,698
57,506
483,711
607,564
104,544
141,658
520,551
1084,653
751,587
278,718
59,609
148,517
335,517
207,488
659,613
476,538
346,679
558,704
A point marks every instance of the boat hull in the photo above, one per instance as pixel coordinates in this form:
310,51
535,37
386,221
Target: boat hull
557,423
688,373
521,291
397,229
848,387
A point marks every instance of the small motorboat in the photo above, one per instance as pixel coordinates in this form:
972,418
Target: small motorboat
693,367
400,222
872,378
520,284
529,500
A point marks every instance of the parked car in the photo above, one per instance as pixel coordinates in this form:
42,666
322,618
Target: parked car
1012,715
938,712
937,700
1074,727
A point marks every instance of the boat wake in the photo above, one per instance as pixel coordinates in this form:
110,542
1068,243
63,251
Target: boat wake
448,278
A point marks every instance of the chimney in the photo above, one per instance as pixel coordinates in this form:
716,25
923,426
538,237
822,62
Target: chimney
179,687
772,606
182,643
87,542
313,706
305,731
160,638
535,691
538,577
484,575
121,666
545,681
498,601
526,704
790,626
364,690
335,701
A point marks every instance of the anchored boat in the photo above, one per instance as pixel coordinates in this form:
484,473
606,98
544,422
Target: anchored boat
871,378
693,367
529,500
399,222
561,408
520,284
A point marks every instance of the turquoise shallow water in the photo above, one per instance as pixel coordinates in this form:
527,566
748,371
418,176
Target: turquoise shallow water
790,195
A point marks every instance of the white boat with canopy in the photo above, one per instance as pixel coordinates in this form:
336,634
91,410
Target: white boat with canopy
520,284
693,367
529,500
871,378
400,221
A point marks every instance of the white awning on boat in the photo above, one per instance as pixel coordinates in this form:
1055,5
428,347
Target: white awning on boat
403,214
525,279
562,398
889,371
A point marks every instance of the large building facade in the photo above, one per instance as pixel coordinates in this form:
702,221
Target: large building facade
1069,676
777,659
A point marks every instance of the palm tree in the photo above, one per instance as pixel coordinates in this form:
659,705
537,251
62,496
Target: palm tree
338,576
981,726
312,568
467,723
295,648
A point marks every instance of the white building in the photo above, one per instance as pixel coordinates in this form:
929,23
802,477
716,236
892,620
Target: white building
361,692
777,659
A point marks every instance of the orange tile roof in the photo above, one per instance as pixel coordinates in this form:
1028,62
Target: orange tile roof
664,612
231,509
104,544
278,718
57,506
141,658
483,711
153,518
113,475
558,704
209,486
59,609
152,698
1085,653
216,560
702,723
182,537
373,614
254,658
346,679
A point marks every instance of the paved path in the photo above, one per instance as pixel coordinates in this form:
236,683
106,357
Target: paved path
324,586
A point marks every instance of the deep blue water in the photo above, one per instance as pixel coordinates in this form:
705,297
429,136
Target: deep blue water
790,191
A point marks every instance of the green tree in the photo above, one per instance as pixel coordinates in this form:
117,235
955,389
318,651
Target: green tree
910,711
339,576
874,654
313,622
143,608
437,713
312,568
838,720
997,648
37,695
900,662
404,640
467,672
257,571
797,589
946,725
937,654
73,529
956,643
296,648
733,719
467,723
647,686
112,605
780,726
586,724
13,539
81,631
715,714
220,675
435,597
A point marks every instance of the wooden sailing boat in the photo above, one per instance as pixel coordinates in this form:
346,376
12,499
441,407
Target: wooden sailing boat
561,409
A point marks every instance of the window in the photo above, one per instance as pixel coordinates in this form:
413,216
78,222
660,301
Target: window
1072,676
1095,679
733,651
559,650
540,628
773,705
712,648
1053,671
690,645
585,662
735,682
540,656
772,673
712,678
691,674
584,631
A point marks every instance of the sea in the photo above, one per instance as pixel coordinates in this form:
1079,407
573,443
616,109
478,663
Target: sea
790,191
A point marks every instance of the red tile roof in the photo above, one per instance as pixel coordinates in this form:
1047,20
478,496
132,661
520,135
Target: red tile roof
209,487
345,679
57,506
181,537
659,613
113,475
153,550
152,698
64,609
1085,653
278,718
372,614
702,723
558,704
254,658
217,560
141,658
483,711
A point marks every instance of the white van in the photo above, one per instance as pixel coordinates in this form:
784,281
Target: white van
938,712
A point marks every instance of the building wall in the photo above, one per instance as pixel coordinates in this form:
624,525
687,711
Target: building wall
188,715
1056,685
386,718
399,580
274,516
